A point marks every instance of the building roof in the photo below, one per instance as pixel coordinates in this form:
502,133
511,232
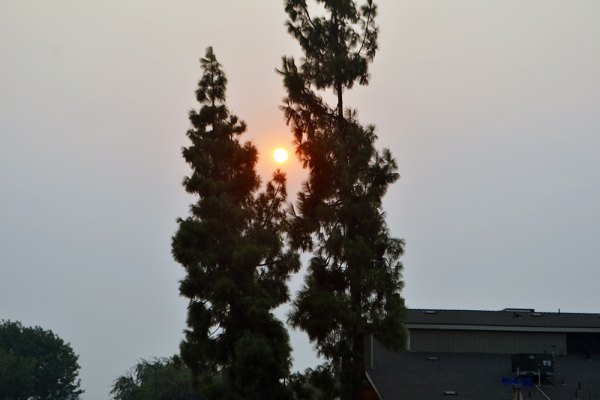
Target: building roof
473,376
420,318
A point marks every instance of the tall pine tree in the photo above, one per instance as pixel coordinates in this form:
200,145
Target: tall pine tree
352,288
231,246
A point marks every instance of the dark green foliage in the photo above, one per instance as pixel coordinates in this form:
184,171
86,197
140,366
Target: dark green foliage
353,284
36,363
232,248
320,383
158,379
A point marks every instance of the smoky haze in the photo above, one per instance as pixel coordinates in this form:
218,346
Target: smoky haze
490,108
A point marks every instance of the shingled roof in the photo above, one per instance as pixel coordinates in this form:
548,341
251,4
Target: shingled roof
505,318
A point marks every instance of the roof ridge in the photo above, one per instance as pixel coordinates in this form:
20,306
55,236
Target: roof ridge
510,310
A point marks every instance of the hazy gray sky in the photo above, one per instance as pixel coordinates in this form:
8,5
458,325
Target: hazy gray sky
490,107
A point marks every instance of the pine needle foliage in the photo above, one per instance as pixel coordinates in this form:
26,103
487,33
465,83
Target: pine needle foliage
353,284
233,249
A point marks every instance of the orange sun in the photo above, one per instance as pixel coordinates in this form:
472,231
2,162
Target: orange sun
280,155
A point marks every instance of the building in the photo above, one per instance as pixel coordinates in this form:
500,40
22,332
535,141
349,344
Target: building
465,354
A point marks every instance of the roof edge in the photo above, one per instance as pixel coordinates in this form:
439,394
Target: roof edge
511,328
373,385
507,310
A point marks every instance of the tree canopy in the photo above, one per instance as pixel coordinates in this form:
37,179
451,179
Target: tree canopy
352,287
233,250
158,379
36,363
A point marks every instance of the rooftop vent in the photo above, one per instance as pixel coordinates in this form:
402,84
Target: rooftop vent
433,358
430,312
519,310
537,314
450,393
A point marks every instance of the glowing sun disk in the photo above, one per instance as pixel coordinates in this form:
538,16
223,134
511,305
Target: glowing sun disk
280,155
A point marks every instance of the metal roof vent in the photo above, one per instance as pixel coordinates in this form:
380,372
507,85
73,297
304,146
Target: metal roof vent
431,312
450,393
519,310
537,314
433,358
